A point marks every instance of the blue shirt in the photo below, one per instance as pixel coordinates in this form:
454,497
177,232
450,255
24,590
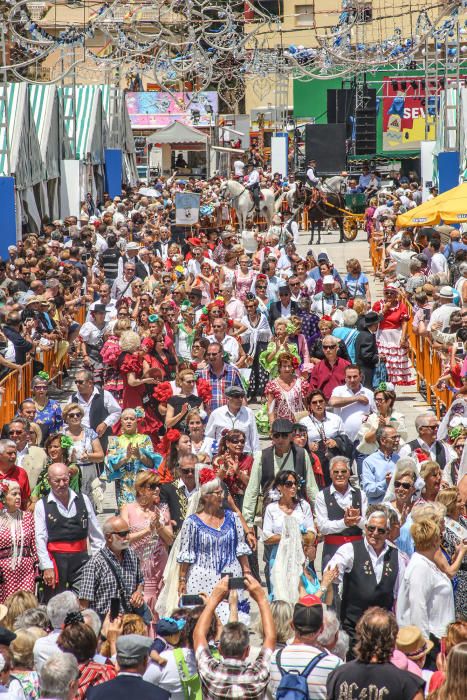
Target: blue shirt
364,180
453,248
374,470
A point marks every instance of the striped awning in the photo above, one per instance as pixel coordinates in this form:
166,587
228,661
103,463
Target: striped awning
25,155
46,115
89,123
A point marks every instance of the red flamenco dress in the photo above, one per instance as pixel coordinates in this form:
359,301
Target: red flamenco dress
137,396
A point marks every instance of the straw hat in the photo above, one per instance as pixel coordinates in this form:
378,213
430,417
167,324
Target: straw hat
412,643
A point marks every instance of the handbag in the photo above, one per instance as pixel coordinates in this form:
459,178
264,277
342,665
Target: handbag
380,374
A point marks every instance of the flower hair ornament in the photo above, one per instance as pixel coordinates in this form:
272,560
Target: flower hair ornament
206,475
73,618
66,442
139,412
162,392
456,432
43,375
385,386
153,318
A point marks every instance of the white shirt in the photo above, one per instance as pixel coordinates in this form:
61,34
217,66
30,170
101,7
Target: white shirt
310,173
439,265
167,677
96,538
244,420
239,167
344,558
273,523
253,178
352,415
230,345
403,259
343,500
44,648
406,451
332,426
442,315
110,404
425,597
91,334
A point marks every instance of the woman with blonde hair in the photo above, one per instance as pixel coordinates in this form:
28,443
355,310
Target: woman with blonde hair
455,684
150,532
17,603
23,657
131,624
86,450
113,381
425,597
431,474
453,536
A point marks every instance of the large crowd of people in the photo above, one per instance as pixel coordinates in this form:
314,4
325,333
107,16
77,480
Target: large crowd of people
282,528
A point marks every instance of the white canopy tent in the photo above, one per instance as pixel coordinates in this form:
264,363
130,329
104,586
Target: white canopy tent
179,135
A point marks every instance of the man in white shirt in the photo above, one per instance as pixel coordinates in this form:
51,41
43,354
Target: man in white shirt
371,572
107,301
64,521
101,410
58,608
253,185
438,263
442,315
234,416
311,178
402,253
352,401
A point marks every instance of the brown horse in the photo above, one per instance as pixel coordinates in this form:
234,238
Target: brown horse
322,206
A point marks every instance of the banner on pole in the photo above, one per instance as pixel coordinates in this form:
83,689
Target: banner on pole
186,208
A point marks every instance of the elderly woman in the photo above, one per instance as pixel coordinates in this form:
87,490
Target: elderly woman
87,450
233,465
453,535
385,398
403,488
200,444
48,411
452,472
212,542
128,454
323,428
280,344
431,474
426,598
17,542
150,532
23,657
78,638
326,326
59,451
285,394
392,336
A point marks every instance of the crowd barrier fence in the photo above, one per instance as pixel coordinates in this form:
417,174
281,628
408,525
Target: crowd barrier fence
16,386
425,358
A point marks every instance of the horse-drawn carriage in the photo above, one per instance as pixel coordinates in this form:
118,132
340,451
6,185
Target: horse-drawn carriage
355,205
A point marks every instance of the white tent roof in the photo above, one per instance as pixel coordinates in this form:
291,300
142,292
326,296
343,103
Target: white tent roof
178,133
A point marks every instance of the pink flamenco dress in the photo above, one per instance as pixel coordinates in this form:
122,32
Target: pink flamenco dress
150,550
113,380
17,553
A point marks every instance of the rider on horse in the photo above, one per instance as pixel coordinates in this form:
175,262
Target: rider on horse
253,185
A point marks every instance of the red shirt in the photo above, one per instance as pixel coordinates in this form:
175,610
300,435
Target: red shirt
19,475
326,378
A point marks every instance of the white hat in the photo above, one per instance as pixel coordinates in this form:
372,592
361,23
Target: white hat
446,292
132,245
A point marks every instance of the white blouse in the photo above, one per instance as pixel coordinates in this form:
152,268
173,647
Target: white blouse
426,598
332,426
274,518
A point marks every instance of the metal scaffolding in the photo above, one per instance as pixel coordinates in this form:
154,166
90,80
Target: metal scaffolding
5,146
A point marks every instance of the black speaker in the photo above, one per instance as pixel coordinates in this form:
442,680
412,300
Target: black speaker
325,143
361,123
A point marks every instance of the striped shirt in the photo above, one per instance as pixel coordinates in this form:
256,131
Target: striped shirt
297,657
233,678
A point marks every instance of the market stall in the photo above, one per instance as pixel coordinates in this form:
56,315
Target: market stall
178,136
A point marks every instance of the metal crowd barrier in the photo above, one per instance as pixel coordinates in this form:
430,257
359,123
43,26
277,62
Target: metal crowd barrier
16,386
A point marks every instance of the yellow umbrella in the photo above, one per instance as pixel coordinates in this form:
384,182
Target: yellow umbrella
449,207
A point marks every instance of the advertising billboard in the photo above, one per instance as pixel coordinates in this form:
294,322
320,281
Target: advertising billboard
409,115
151,110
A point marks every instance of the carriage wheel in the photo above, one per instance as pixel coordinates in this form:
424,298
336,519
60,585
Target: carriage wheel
350,228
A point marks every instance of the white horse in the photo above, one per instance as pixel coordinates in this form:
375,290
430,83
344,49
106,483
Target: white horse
289,197
242,202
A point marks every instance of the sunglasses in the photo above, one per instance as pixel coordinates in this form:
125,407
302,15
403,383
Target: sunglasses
430,427
260,286
121,533
80,381
153,487
340,472
74,415
15,432
316,402
290,484
329,347
236,440
401,484
378,530
280,435
188,470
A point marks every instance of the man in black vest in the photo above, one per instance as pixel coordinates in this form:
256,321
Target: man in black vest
63,522
283,454
427,428
101,410
371,572
109,259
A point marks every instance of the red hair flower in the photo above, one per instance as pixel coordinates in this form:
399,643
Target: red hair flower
147,344
162,392
173,435
295,362
207,475
421,455
132,363
204,390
